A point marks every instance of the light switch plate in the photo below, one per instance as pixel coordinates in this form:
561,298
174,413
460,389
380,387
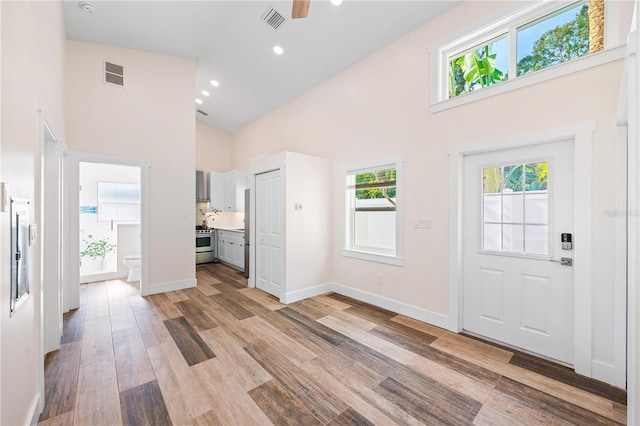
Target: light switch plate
423,223
5,200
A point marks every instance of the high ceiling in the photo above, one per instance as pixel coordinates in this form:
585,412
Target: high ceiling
233,45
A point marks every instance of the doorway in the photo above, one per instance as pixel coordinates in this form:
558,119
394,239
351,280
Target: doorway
520,208
269,232
75,158
582,136
109,222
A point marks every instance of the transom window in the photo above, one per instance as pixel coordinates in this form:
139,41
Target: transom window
545,36
372,202
515,208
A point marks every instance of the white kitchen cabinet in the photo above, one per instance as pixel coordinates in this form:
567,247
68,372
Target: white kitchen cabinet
216,190
235,182
227,190
231,247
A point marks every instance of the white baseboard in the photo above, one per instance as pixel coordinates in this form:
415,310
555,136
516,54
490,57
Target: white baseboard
170,286
433,318
410,311
306,293
607,373
103,277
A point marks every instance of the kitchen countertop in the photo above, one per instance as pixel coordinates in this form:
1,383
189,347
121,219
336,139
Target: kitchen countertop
222,228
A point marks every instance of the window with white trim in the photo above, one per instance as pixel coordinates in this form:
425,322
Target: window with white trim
541,36
372,203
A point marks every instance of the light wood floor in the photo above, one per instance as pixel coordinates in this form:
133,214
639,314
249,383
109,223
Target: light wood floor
227,354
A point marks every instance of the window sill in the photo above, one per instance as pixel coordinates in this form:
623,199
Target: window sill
560,70
373,257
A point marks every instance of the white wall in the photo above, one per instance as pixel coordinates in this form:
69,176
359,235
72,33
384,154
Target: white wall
308,230
90,175
379,109
213,148
33,47
147,119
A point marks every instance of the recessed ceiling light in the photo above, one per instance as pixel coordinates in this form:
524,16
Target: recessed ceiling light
278,50
336,2
87,7
215,83
199,101
204,92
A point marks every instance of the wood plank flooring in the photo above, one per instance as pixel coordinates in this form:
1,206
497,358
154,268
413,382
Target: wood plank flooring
224,354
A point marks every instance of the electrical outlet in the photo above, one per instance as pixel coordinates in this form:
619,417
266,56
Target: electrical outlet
381,279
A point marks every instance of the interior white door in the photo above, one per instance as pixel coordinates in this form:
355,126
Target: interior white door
269,232
518,202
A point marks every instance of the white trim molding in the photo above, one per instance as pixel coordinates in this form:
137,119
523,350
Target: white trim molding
401,308
581,134
433,318
170,286
306,293
632,90
116,275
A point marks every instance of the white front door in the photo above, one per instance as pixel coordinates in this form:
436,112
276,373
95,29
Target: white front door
517,203
269,233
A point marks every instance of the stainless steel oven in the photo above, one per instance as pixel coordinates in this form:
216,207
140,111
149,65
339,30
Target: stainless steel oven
205,246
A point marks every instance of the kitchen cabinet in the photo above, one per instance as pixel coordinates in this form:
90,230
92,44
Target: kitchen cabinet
231,247
227,190
216,189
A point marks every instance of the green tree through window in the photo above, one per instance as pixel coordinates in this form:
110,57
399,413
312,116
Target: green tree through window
368,182
560,44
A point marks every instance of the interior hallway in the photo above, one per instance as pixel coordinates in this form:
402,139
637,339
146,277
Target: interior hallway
227,354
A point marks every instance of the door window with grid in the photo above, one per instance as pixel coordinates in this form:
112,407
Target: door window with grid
515,208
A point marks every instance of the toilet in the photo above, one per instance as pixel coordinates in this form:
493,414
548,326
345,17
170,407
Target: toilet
133,263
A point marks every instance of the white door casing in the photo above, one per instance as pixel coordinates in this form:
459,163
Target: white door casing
76,157
269,233
582,134
52,240
524,300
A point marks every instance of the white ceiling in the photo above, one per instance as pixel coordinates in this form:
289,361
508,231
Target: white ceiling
232,44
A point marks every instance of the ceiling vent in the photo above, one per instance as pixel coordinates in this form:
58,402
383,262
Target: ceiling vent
113,74
202,112
273,18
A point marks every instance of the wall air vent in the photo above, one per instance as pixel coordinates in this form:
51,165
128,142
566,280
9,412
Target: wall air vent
202,112
113,74
273,18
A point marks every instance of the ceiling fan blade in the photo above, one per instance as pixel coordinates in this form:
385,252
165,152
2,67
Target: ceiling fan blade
300,9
